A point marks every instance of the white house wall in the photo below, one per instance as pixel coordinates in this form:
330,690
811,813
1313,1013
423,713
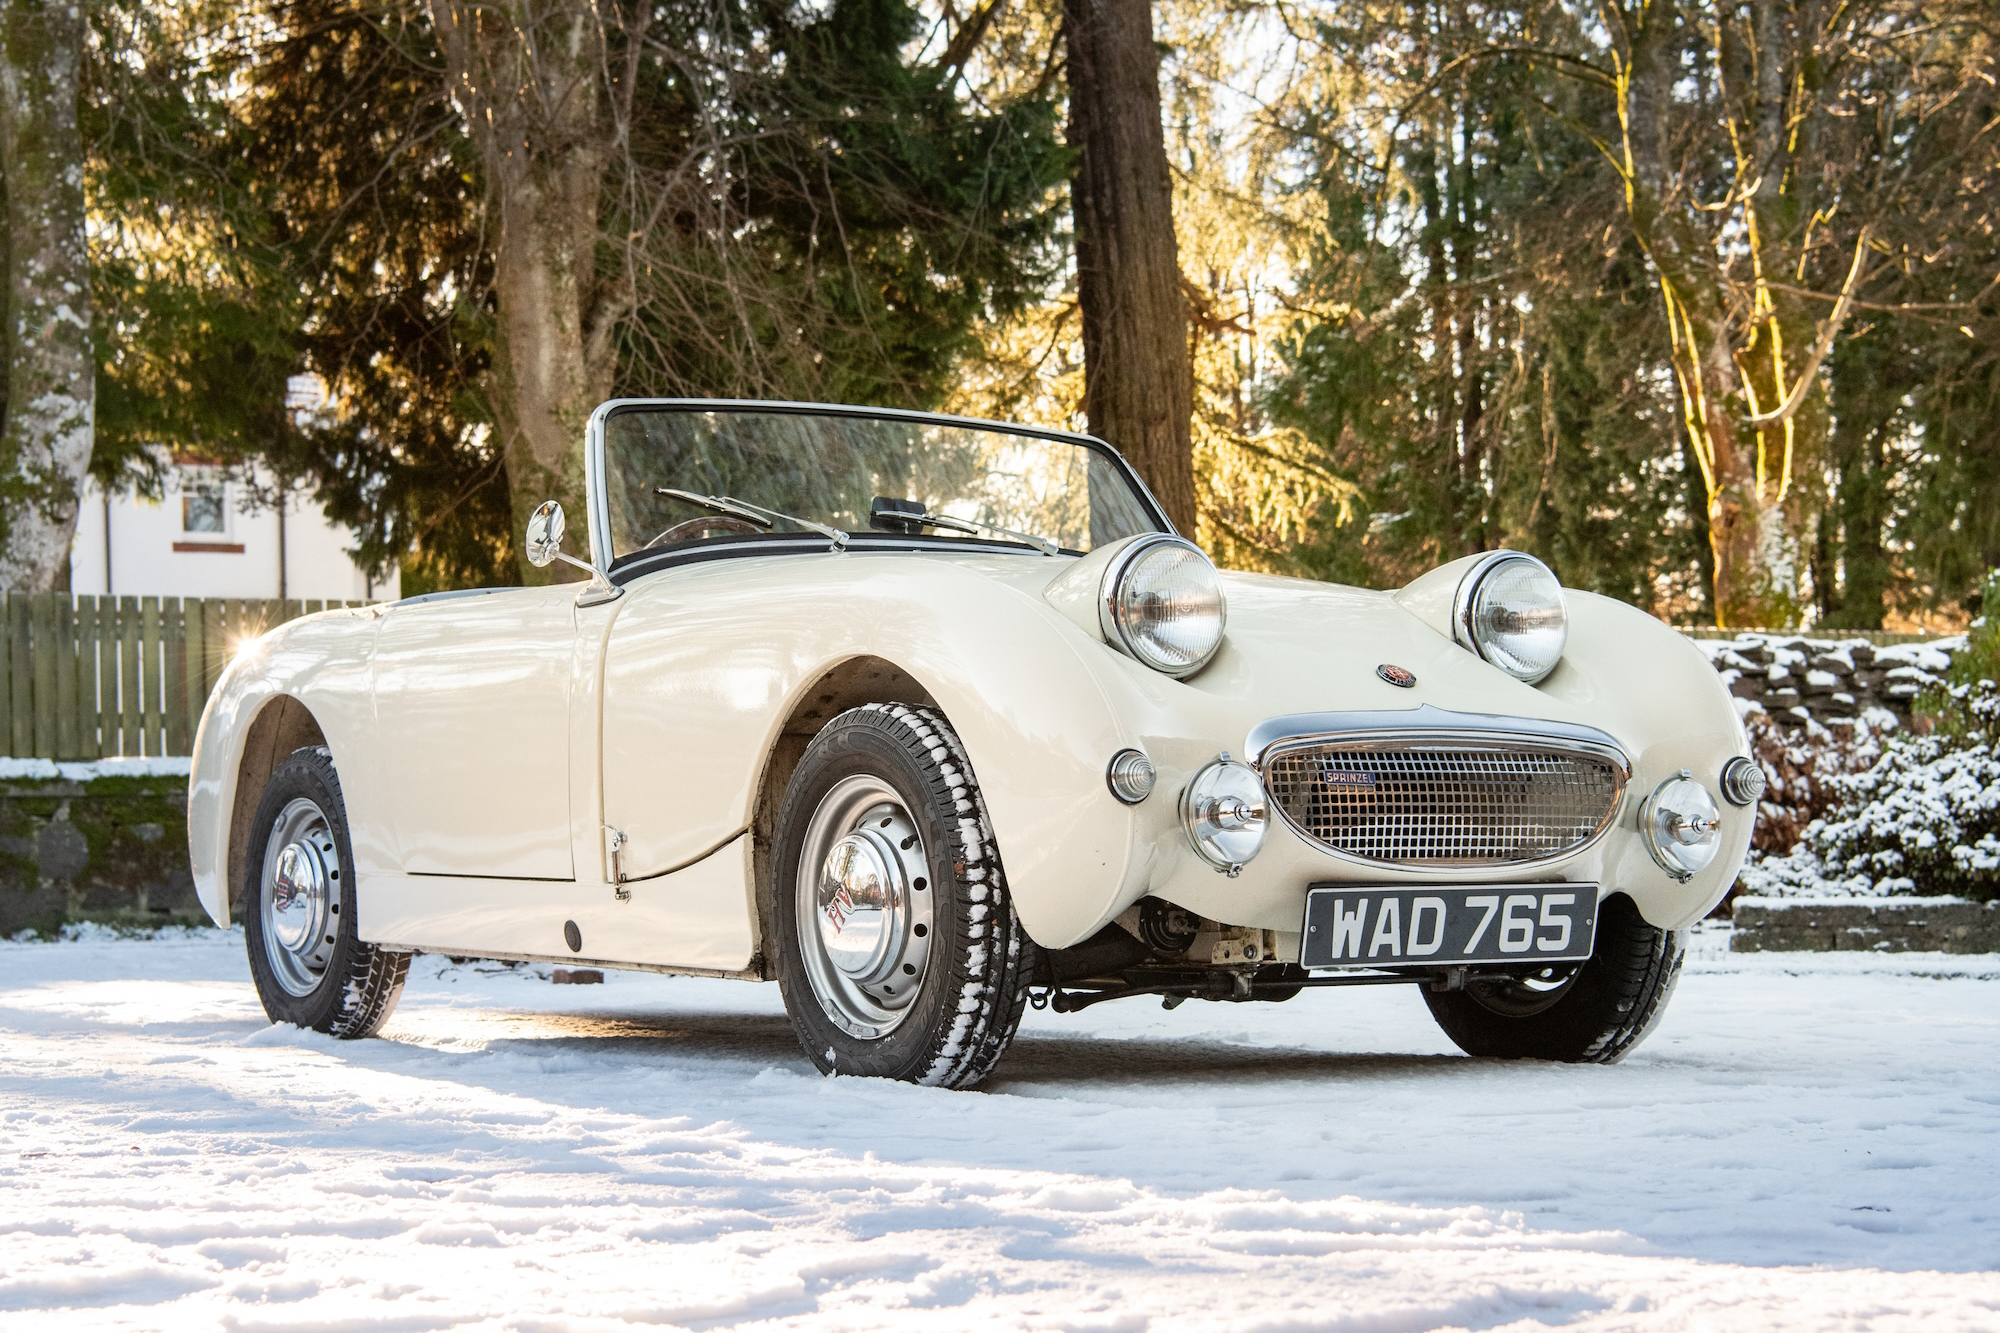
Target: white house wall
153,556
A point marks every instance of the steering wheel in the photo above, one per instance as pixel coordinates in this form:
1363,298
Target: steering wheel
694,527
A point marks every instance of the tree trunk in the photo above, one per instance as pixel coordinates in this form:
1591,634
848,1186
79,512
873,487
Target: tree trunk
1138,375
51,376
1765,482
528,78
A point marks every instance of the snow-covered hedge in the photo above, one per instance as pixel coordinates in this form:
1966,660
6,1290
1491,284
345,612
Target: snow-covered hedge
1898,813
1925,819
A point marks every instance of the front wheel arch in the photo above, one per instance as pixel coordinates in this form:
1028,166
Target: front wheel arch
853,682
282,726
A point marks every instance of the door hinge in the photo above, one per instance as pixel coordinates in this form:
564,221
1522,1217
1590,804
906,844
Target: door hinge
614,850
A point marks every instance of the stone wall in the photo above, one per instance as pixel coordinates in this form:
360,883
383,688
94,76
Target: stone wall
1890,925
1794,678
88,842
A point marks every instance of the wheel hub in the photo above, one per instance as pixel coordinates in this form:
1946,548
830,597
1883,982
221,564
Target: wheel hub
299,896
864,907
863,901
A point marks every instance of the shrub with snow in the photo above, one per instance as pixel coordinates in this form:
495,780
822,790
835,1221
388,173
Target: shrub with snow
1924,820
1924,817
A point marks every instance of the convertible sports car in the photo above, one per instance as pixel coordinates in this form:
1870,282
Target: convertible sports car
927,718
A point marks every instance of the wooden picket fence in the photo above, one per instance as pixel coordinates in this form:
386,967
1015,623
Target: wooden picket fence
102,677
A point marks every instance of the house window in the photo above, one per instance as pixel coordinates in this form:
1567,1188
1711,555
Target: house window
204,508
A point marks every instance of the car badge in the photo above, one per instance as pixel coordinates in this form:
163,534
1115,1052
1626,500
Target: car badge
1347,777
1396,676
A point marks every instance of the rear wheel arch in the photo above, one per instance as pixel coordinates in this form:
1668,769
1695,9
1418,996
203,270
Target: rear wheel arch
850,683
282,725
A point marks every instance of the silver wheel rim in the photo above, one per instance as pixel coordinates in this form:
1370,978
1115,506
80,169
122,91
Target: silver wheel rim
863,907
299,896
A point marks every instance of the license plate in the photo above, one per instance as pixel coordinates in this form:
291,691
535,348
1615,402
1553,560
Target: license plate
1352,925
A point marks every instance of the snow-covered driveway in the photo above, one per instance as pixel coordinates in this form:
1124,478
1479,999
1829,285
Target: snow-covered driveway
1808,1142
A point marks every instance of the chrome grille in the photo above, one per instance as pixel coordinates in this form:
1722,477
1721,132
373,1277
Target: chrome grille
1447,802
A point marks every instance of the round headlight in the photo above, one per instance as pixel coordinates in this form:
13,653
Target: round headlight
1683,828
1510,611
1225,813
1162,604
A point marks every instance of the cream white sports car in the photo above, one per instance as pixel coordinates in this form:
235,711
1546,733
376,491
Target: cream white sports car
927,718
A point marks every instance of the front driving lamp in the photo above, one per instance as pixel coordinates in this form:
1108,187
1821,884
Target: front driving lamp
1682,826
1226,814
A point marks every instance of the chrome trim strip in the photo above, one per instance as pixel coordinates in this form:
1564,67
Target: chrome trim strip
1427,719
596,503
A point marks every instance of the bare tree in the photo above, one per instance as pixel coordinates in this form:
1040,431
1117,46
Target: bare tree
530,79
1138,376
1758,145
45,444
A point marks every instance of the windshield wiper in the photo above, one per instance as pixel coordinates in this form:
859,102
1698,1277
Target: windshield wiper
758,514
886,510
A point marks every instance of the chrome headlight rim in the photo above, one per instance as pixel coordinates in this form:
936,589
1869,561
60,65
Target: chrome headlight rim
1465,607
1124,637
1667,858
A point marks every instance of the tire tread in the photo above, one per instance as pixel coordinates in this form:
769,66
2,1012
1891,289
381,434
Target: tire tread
993,970
366,981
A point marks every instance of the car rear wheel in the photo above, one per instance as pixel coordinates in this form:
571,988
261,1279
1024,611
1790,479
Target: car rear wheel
896,945
297,902
1593,1012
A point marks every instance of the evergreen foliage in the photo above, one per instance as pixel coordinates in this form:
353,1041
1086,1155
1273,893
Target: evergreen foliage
807,213
1423,320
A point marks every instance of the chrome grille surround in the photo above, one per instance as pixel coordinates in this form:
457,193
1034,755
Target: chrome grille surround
1442,790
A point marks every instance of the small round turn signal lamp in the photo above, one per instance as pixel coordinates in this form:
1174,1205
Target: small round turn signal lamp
1130,776
1742,781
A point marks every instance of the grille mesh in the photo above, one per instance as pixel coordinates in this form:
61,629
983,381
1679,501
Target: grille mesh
1430,803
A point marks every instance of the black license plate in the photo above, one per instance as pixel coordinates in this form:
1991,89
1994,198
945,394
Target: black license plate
1352,925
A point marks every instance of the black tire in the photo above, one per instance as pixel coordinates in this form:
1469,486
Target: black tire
960,1010
328,980
1596,1016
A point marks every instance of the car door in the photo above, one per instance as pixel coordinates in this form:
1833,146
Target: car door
472,699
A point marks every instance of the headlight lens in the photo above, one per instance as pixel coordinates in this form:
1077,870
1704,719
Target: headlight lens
1162,604
1683,828
1225,813
1511,612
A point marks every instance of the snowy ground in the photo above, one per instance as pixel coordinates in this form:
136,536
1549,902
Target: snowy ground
1808,1142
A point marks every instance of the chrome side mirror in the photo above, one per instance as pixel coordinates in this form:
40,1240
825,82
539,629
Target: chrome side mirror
545,534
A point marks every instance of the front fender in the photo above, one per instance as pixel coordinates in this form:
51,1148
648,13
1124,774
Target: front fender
322,663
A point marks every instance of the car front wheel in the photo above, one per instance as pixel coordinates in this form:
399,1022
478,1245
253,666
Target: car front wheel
297,901
896,945
1593,1012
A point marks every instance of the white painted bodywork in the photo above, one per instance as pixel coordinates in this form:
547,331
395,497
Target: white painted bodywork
485,742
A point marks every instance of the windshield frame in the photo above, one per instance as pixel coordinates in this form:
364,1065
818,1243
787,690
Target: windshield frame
598,504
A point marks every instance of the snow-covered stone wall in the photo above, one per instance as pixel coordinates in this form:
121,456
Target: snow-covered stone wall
1795,678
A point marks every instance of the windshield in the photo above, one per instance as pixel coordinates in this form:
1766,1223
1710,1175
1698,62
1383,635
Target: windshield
858,474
